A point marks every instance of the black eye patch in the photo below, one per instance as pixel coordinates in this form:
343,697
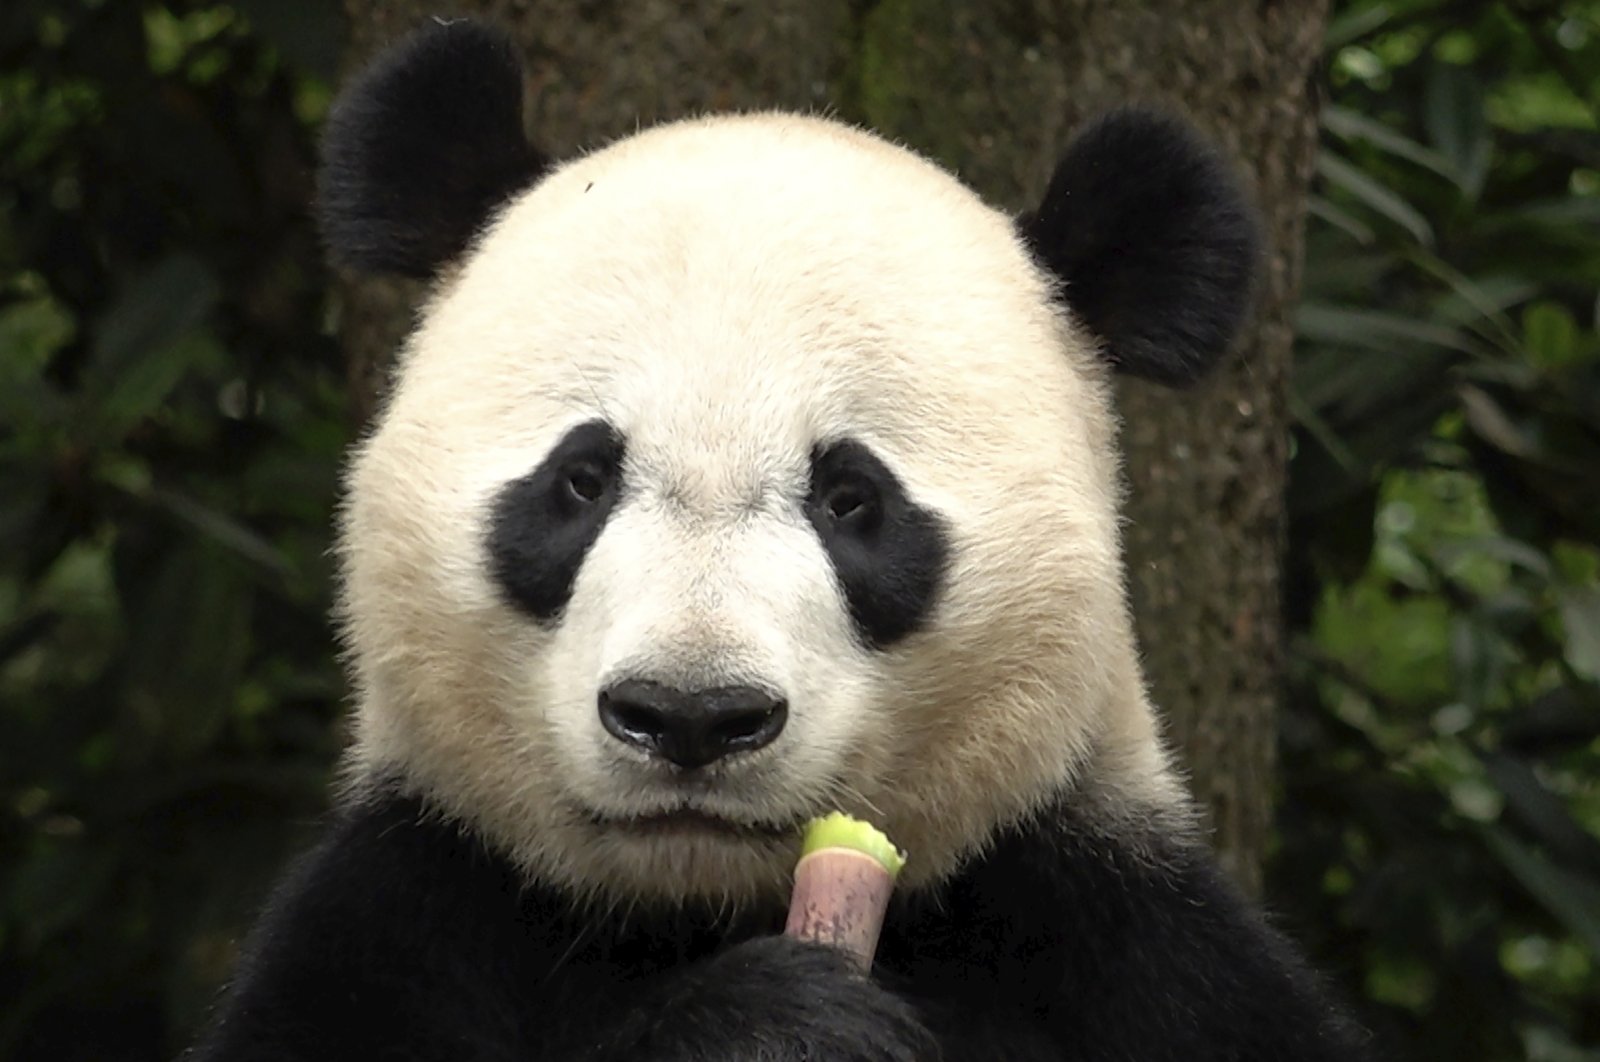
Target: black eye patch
889,553
544,523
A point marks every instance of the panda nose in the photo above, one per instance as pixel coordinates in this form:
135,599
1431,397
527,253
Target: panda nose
691,728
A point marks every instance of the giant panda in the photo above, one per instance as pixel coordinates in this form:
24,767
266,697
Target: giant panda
743,470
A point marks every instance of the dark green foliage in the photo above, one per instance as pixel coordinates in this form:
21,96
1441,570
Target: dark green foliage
171,421
1440,830
173,414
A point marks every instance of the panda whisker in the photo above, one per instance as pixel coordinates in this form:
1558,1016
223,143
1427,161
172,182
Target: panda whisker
841,788
585,934
583,374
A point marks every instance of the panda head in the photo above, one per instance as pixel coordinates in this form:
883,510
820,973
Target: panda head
749,468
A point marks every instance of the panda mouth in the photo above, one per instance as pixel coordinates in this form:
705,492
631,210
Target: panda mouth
688,821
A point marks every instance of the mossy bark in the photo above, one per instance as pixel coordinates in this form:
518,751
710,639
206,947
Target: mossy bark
994,90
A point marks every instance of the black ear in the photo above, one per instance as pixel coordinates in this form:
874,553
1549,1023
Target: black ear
421,147
1154,242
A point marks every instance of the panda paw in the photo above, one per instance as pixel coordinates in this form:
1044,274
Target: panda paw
777,998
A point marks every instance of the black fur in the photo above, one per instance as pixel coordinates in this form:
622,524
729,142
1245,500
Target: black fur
400,938
889,553
544,523
1085,946
422,147
1154,242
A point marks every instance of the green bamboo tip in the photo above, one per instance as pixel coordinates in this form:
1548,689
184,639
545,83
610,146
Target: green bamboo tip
839,830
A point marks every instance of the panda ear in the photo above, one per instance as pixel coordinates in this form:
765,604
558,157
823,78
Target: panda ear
421,148
1153,241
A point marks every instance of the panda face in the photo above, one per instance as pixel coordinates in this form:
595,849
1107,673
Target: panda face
743,471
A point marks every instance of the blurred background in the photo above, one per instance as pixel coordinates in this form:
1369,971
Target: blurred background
175,402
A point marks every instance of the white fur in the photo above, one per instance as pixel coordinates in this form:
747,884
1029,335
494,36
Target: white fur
728,292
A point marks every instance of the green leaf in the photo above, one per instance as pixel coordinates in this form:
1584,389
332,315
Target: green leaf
1551,334
225,531
1572,900
309,33
1562,213
1474,659
1367,191
1580,618
55,886
27,496
1341,219
1495,547
1381,402
1457,124
1312,422
1478,304
145,385
1566,717
149,339
149,315
1542,812
1353,25
189,633
1491,423
1337,272
1350,125
1375,329
30,334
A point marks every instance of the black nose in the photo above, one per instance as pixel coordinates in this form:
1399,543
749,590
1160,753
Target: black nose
691,729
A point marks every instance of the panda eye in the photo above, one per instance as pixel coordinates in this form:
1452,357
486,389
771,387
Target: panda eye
585,483
851,505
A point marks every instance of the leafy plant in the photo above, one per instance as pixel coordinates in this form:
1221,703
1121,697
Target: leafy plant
171,413
1441,822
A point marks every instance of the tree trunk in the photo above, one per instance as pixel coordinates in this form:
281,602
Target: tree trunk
994,90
